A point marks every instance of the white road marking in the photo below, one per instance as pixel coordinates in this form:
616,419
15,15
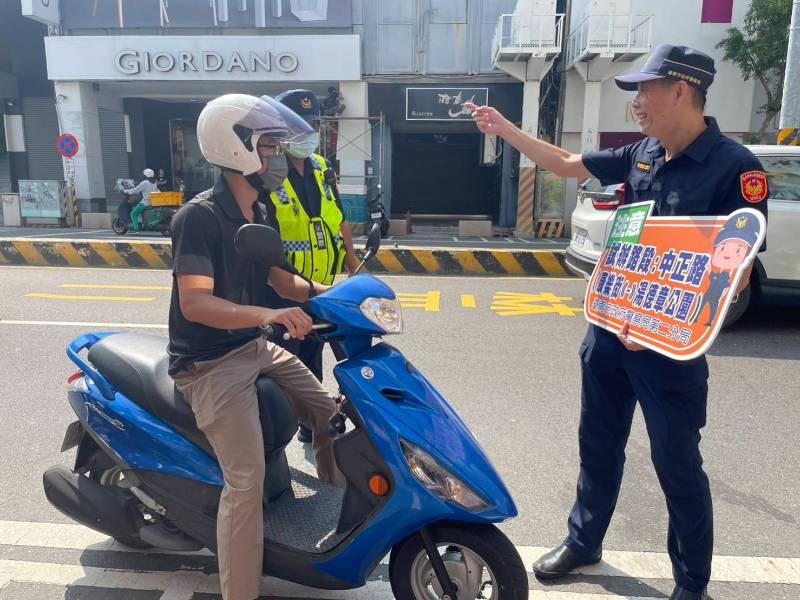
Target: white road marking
85,324
640,565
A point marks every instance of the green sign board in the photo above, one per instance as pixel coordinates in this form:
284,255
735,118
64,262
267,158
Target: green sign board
629,223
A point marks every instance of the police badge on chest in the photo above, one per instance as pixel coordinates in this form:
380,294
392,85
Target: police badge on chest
320,234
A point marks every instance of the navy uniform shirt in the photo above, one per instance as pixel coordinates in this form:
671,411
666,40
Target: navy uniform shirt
704,179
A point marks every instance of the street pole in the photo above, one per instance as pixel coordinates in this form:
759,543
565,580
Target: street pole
789,134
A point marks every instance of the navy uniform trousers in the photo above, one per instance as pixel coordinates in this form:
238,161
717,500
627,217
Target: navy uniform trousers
673,399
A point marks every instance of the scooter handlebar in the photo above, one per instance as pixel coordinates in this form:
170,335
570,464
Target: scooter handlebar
274,332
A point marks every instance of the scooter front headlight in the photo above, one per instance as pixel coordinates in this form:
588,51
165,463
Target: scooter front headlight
439,480
385,313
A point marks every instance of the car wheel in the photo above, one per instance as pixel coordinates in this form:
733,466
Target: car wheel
738,308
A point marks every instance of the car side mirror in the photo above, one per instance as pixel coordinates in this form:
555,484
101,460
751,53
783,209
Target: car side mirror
260,244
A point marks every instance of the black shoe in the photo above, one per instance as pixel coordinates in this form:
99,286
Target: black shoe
562,561
304,435
681,594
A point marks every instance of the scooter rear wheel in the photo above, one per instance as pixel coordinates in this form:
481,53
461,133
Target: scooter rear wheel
113,476
119,227
481,562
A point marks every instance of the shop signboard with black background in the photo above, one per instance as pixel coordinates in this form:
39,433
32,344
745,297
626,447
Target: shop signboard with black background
443,104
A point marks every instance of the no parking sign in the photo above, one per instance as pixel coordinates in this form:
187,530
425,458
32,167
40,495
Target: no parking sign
67,145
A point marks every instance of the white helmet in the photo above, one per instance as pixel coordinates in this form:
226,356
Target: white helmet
148,173
229,127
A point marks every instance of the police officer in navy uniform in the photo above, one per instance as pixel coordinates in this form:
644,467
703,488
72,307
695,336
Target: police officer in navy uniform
687,167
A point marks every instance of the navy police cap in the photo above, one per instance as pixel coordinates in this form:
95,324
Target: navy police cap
741,227
675,62
303,102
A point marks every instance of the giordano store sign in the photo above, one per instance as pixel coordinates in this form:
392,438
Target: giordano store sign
203,58
135,62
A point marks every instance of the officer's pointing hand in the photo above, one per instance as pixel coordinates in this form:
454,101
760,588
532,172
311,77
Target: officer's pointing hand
622,336
488,119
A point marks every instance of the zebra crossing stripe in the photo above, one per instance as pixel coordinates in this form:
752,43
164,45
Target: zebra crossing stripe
641,565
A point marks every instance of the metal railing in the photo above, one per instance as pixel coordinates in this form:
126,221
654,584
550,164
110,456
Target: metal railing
528,33
610,34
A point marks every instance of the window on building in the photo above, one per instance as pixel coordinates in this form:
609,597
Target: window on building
717,11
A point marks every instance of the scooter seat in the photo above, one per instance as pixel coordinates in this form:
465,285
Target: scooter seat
137,366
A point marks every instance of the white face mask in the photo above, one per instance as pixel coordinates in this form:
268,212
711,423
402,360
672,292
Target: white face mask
278,172
304,148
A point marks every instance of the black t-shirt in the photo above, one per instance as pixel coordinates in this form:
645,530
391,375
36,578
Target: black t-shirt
202,244
704,179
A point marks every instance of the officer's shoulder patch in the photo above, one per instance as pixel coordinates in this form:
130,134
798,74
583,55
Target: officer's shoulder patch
754,186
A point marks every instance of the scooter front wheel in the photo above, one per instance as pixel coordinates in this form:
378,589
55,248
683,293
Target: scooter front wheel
482,563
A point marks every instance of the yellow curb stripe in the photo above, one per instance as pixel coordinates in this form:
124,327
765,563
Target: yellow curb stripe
390,262
427,260
149,255
468,262
31,255
95,298
70,254
106,251
509,263
550,263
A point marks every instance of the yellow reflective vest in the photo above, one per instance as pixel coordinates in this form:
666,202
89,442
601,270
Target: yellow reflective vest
313,245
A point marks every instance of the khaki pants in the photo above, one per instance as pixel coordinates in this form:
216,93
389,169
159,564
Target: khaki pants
222,395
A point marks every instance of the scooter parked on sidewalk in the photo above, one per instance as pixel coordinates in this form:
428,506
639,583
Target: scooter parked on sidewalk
377,213
418,483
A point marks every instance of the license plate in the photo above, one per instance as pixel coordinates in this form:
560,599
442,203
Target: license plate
73,436
580,237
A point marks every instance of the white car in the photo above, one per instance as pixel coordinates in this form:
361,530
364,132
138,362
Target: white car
776,275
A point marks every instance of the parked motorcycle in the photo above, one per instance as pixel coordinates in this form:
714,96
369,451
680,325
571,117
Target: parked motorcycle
377,212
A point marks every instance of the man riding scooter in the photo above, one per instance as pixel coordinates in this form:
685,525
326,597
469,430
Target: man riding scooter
146,187
218,302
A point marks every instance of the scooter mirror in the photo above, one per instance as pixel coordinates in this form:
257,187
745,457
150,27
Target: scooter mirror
261,244
373,239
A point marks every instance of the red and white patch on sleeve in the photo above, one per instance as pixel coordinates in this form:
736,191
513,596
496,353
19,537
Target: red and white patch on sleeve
754,186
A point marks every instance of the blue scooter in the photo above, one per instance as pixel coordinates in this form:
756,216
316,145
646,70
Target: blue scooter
418,483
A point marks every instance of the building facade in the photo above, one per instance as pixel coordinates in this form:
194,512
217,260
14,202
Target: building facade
129,78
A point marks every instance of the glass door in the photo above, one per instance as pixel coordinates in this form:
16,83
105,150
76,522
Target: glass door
187,160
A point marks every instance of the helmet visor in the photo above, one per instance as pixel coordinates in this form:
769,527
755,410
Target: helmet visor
271,118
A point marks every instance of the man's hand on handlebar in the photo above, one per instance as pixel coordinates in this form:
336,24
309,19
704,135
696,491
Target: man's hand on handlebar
295,320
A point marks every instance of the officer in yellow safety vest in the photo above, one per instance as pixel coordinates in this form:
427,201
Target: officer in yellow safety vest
308,212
